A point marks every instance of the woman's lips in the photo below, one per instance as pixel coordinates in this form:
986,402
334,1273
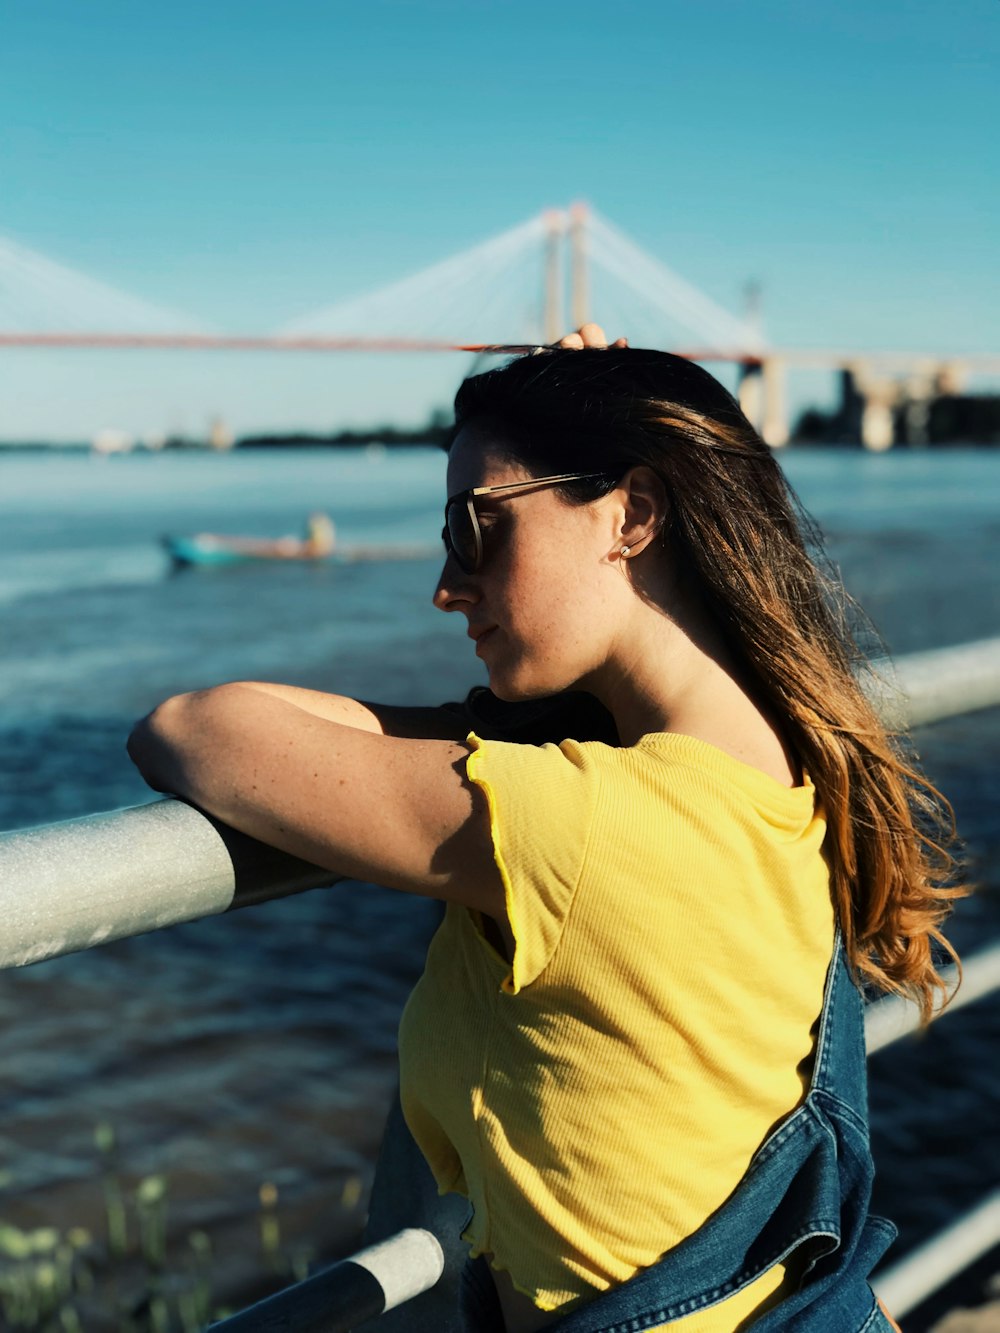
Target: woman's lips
481,636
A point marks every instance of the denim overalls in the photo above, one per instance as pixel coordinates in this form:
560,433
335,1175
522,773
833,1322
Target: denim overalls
804,1200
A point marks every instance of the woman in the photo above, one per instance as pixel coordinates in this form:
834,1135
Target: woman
636,1048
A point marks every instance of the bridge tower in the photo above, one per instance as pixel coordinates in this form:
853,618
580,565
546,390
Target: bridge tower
579,292
565,231
552,316
763,396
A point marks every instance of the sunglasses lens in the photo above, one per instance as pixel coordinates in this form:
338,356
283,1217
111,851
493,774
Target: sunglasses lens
460,536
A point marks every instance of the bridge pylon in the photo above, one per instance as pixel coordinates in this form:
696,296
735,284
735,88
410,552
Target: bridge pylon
579,290
552,316
763,396
565,252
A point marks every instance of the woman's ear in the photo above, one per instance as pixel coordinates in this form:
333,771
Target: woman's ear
645,510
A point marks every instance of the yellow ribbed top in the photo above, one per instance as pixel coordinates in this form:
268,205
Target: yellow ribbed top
600,1098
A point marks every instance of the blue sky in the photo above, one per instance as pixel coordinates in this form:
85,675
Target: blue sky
250,162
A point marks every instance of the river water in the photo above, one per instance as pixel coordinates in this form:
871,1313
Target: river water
260,1046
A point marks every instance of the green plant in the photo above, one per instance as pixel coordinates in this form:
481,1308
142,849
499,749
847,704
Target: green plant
51,1278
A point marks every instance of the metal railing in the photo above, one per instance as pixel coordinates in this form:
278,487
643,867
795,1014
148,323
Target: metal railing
73,885
931,1266
936,684
889,1019
349,1293
905,1284
70,886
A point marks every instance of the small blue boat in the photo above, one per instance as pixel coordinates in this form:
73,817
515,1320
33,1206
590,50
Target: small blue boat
207,549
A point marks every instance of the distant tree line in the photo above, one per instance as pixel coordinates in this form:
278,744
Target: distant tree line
434,431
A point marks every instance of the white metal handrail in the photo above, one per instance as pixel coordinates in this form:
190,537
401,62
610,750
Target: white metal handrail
889,1019
906,1283
931,1266
71,886
933,685
339,1298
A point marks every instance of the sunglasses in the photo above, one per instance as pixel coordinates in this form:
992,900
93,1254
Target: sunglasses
462,535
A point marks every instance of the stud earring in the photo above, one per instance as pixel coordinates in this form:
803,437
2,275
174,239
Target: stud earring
625,551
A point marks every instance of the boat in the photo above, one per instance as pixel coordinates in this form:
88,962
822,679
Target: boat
319,544
215,548
212,548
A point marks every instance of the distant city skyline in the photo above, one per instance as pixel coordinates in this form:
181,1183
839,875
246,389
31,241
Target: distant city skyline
250,164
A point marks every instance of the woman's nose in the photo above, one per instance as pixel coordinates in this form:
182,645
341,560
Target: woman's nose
454,588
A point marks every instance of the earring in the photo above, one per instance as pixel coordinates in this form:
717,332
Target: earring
625,552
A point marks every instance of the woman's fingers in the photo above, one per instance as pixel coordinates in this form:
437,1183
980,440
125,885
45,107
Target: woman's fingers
589,335
593,335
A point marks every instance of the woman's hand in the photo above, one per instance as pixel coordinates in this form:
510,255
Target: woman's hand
590,335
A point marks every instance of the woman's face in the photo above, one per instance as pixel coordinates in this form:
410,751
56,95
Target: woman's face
542,608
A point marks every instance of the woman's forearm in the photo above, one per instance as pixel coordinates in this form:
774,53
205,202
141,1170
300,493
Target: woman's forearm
332,707
446,723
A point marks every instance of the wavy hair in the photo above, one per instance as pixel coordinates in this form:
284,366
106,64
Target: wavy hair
744,543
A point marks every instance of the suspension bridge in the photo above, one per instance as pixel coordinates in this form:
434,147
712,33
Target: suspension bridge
527,285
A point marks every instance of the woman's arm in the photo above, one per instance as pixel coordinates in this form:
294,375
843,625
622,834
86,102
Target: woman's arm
346,797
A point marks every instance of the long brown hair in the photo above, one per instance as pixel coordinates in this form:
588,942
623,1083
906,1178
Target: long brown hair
740,536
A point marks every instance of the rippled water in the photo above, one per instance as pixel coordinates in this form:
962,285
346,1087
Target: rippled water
261,1045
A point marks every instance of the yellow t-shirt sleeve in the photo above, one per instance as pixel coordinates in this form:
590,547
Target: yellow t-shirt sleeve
541,803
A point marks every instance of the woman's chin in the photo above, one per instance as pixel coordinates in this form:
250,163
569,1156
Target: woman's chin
519,690
510,696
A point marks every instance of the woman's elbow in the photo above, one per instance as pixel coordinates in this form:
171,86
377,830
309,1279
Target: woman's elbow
177,746
156,741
